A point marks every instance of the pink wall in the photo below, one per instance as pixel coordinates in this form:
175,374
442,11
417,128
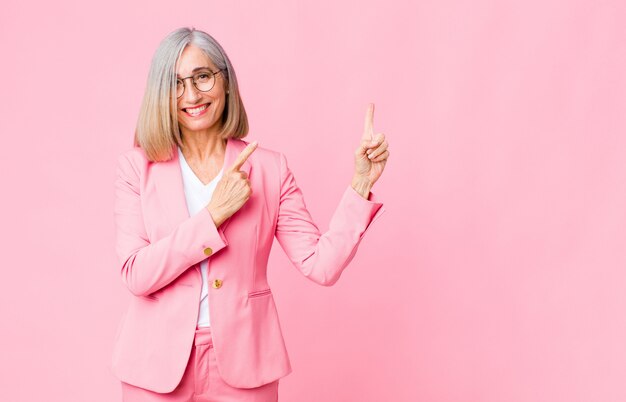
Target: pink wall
496,274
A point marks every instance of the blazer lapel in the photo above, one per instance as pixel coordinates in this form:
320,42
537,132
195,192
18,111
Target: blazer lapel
169,183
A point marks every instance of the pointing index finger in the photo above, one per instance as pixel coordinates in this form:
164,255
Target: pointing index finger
243,156
369,121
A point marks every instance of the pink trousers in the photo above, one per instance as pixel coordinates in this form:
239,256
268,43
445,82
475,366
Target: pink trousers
201,381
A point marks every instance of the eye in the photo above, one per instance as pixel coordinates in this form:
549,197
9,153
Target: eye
203,77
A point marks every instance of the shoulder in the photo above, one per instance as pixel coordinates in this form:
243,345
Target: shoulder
133,154
132,161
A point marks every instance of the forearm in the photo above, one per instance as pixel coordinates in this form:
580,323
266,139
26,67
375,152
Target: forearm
155,265
323,257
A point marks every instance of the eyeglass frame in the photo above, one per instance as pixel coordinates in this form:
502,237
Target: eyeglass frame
194,82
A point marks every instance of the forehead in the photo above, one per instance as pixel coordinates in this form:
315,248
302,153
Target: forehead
191,59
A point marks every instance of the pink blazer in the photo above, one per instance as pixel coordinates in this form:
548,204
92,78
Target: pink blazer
160,247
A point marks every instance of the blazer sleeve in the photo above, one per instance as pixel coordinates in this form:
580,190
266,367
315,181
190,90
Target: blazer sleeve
147,266
322,257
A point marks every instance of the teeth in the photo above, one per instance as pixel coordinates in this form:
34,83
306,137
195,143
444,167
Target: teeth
197,110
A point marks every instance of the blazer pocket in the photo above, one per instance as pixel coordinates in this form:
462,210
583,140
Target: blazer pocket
259,293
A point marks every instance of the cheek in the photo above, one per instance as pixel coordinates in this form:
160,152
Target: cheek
220,105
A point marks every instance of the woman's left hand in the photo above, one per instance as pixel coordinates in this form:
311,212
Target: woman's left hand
371,156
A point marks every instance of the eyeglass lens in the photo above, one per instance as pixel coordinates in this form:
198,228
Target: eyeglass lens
203,80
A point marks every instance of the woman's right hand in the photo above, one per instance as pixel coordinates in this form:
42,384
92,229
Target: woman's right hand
233,190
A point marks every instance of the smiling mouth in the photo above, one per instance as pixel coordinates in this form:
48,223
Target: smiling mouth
197,111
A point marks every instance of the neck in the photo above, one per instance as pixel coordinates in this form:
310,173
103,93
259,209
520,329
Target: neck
202,147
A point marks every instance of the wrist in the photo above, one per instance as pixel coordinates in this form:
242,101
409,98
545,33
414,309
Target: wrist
361,186
218,217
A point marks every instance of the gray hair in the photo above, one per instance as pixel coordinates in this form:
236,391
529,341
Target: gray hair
157,128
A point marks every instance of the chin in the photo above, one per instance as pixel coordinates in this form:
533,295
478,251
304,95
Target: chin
200,125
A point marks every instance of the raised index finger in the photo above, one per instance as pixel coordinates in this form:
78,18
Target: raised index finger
369,122
243,156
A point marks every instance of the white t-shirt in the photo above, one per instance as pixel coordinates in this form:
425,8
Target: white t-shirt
198,196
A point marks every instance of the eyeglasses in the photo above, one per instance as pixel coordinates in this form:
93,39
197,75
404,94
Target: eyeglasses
203,81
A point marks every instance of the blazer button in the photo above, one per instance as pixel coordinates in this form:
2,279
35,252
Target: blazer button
217,283
208,251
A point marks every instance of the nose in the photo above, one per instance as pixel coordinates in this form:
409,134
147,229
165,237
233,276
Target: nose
190,93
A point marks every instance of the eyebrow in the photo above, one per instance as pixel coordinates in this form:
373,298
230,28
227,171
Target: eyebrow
197,69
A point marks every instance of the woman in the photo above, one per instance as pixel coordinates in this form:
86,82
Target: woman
196,211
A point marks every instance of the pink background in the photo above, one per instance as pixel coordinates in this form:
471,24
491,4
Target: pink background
496,274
